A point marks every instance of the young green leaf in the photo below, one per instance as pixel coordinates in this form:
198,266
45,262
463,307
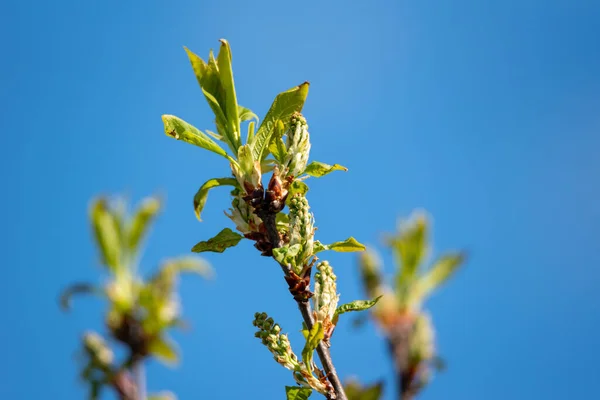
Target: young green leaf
77,289
319,169
108,234
354,391
245,114
163,350
141,221
188,264
356,305
297,392
284,105
295,188
315,335
230,106
218,244
410,248
438,274
286,254
251,131
202,194
181,130
346,246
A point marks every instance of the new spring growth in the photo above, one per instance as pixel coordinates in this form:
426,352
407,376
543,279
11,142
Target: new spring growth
279,345
298,146
302,231
326,298
100,355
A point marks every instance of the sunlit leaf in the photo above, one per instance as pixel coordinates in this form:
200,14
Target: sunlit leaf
297,393
224,239
315,336
345,246
107,233
181,130
141,221
356,305
277,146
245,114
319,169
284,105
297,187
188,264
437,275
202,194
230,107
410,247
77,289
164,350
286,254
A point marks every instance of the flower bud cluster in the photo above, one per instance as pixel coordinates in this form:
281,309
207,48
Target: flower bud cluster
302,230
270,334
298,146
325,299
242,215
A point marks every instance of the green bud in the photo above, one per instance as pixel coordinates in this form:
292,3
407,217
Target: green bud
325,299
301,230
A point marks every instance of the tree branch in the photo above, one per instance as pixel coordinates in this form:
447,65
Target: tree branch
269,220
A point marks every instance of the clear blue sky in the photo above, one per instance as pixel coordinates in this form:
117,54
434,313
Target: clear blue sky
483,113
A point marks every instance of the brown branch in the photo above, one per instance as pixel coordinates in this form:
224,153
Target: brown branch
399,345
268,216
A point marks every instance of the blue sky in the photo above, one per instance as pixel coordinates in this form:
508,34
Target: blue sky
483,113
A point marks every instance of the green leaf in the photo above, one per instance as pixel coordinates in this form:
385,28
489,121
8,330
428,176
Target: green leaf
286,254
107,233
231,106
354,391
410,248
224,239
77,289
297,393
356,305
251,131
245,114
181,130
141,221
438,274
277,146
284,105
202,194
295,188
188,264
319,169
346,246
315,335
163,350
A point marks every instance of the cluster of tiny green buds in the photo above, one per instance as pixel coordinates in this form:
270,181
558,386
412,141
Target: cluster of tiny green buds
326,298
98,351
302,231
298,146
270,334
279,345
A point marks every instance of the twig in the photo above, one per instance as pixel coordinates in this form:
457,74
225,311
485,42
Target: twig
269,221
399,344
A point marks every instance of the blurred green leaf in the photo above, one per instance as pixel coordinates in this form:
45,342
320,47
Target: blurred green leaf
77,289
319,169
163,350
356,305
202,194
141,221
188,264
410,248
224,239
162,396
354,391
181,130
348,245
107,233
315,335
284,105
297,393
438,274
